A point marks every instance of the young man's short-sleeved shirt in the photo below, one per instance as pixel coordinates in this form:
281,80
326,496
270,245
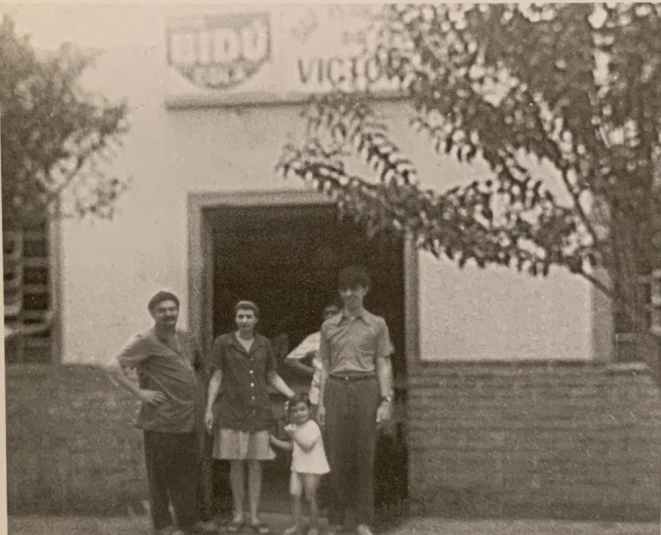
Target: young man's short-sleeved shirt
353,344
170,369
244,403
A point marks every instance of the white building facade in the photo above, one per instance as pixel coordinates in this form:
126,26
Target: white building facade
213,99
510,403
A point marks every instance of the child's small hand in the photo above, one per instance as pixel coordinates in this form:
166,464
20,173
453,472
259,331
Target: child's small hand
290,428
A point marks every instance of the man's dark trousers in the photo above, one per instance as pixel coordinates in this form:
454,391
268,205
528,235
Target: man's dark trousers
172,471
351,434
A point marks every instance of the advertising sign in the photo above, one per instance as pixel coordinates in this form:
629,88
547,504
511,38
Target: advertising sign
276,53
219,51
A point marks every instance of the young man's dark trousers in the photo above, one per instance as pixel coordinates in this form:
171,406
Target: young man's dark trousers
172,471
350,439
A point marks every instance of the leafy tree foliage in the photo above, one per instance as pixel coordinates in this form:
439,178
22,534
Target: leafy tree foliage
576,87
54,134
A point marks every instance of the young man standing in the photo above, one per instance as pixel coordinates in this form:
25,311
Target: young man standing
172,396
355,396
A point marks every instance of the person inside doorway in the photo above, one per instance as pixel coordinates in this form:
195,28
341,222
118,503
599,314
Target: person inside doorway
355,397
305,358
244,364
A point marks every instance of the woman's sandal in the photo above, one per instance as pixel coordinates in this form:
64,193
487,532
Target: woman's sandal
234,527
259,528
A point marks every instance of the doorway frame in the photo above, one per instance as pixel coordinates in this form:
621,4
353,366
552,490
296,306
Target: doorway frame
200,259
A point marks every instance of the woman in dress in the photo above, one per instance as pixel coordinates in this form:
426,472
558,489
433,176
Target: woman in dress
244,364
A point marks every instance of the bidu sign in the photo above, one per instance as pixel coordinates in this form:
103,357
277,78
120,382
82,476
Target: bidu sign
274,55
220,51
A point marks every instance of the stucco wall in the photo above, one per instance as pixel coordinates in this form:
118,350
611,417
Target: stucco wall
109,269
498,314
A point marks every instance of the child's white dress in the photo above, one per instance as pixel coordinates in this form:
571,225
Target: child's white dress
314,460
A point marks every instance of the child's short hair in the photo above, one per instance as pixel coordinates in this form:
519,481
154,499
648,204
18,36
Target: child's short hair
296,399
353,276
247,305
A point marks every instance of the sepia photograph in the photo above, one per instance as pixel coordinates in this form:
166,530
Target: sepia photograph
331,268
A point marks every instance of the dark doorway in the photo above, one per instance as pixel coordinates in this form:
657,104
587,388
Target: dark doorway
286,259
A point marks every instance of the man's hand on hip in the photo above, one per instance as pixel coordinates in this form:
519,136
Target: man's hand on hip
151,397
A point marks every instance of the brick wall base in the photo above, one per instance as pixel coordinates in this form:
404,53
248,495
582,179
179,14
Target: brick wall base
567,440
563,440
71,444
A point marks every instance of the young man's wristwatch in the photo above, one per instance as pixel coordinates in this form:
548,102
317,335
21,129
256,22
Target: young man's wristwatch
387,398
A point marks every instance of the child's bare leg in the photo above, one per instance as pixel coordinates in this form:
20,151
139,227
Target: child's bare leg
311,484
295,491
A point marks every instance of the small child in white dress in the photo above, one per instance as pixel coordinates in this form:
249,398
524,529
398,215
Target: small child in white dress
308,463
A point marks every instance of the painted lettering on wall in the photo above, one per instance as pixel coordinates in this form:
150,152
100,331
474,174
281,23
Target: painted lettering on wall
356,72
220,51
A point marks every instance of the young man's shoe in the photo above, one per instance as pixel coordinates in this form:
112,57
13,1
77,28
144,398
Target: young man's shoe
363,529
206,527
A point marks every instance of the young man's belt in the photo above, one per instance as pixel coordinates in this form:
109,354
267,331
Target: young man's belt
352,376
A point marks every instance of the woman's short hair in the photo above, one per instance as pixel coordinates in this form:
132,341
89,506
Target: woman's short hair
244,304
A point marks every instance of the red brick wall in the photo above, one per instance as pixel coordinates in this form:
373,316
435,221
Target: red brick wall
505,439
579,440
71,444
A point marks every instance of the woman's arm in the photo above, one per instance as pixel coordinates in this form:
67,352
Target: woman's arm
278,383
212,394
321,409
324,357
282,444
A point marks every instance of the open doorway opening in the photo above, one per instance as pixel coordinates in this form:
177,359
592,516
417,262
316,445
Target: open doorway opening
286,258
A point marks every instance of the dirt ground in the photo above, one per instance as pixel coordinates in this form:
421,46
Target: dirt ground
521,527
32,525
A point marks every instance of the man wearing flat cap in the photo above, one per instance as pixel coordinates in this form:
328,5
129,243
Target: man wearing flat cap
172,396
